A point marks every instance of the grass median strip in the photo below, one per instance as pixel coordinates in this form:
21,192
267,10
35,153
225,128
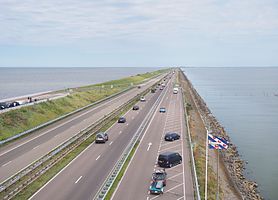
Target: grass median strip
121,173
45,177
16,121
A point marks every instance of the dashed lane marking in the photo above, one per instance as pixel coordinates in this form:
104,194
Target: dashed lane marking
78,179
98,157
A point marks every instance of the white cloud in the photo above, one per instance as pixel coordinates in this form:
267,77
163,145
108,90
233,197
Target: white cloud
51,21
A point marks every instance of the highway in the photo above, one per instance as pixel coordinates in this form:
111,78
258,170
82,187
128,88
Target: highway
19,154
83,177
137,179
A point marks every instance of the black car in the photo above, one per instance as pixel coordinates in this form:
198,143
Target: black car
101,137
171,136
121,120
135,107
169,159
3,105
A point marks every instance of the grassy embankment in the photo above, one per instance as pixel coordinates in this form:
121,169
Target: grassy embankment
198,137
19,120
43,179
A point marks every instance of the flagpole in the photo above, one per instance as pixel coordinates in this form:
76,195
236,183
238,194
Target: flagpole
206,176
217,194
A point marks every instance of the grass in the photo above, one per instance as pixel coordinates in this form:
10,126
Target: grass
42,180
121,173
199,148
25,118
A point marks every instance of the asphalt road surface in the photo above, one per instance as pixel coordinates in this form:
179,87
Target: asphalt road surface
19,154
83,177
137,179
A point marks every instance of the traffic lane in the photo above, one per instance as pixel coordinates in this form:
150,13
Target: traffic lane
35,149
83,114
12,166
136,179
93,172
179,180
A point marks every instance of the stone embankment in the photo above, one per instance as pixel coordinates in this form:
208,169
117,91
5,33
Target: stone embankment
232,161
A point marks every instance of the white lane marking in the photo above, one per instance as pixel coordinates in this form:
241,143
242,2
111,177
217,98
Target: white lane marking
73,161
169,148
180,198
78,179
140,142
56,135
120,132
148,198
36,147
132,117
98,157
149,146
175,176
168,190
6,163
127,124
110,143
94,108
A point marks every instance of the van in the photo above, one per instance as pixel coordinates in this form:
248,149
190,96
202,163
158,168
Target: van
169,159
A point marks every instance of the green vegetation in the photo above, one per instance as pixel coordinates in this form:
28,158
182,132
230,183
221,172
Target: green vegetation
38,183
19,120
121,173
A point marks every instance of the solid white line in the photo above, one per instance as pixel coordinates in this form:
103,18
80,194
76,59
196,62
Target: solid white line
182,151
110,143
71,162
78,179
98,157
60,171
6,163
140,142
94,108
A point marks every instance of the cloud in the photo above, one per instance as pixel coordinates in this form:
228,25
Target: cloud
69,21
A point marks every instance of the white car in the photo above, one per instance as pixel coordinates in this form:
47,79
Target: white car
142,99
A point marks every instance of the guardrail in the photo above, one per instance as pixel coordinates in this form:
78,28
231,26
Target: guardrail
193,167
59,152
101,194
71,113
62,117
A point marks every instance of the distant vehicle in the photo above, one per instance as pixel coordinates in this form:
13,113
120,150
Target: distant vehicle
153,90
139,86
163,84
162,110
13,104
156,187
161,88
171,136
135,107
3,105
121,120
101,137
169,159
142,99
160,175
175,90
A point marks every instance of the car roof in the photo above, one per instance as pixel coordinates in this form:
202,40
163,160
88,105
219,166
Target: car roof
167,153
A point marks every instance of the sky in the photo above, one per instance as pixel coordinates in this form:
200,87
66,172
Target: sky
138,33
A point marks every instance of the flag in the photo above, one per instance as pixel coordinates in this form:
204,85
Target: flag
217,142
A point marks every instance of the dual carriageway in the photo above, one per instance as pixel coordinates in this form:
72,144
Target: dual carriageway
83,177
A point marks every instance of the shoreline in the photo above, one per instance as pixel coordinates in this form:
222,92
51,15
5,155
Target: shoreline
233,163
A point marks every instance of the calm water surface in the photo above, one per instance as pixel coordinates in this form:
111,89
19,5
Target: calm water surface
245,101
23,81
